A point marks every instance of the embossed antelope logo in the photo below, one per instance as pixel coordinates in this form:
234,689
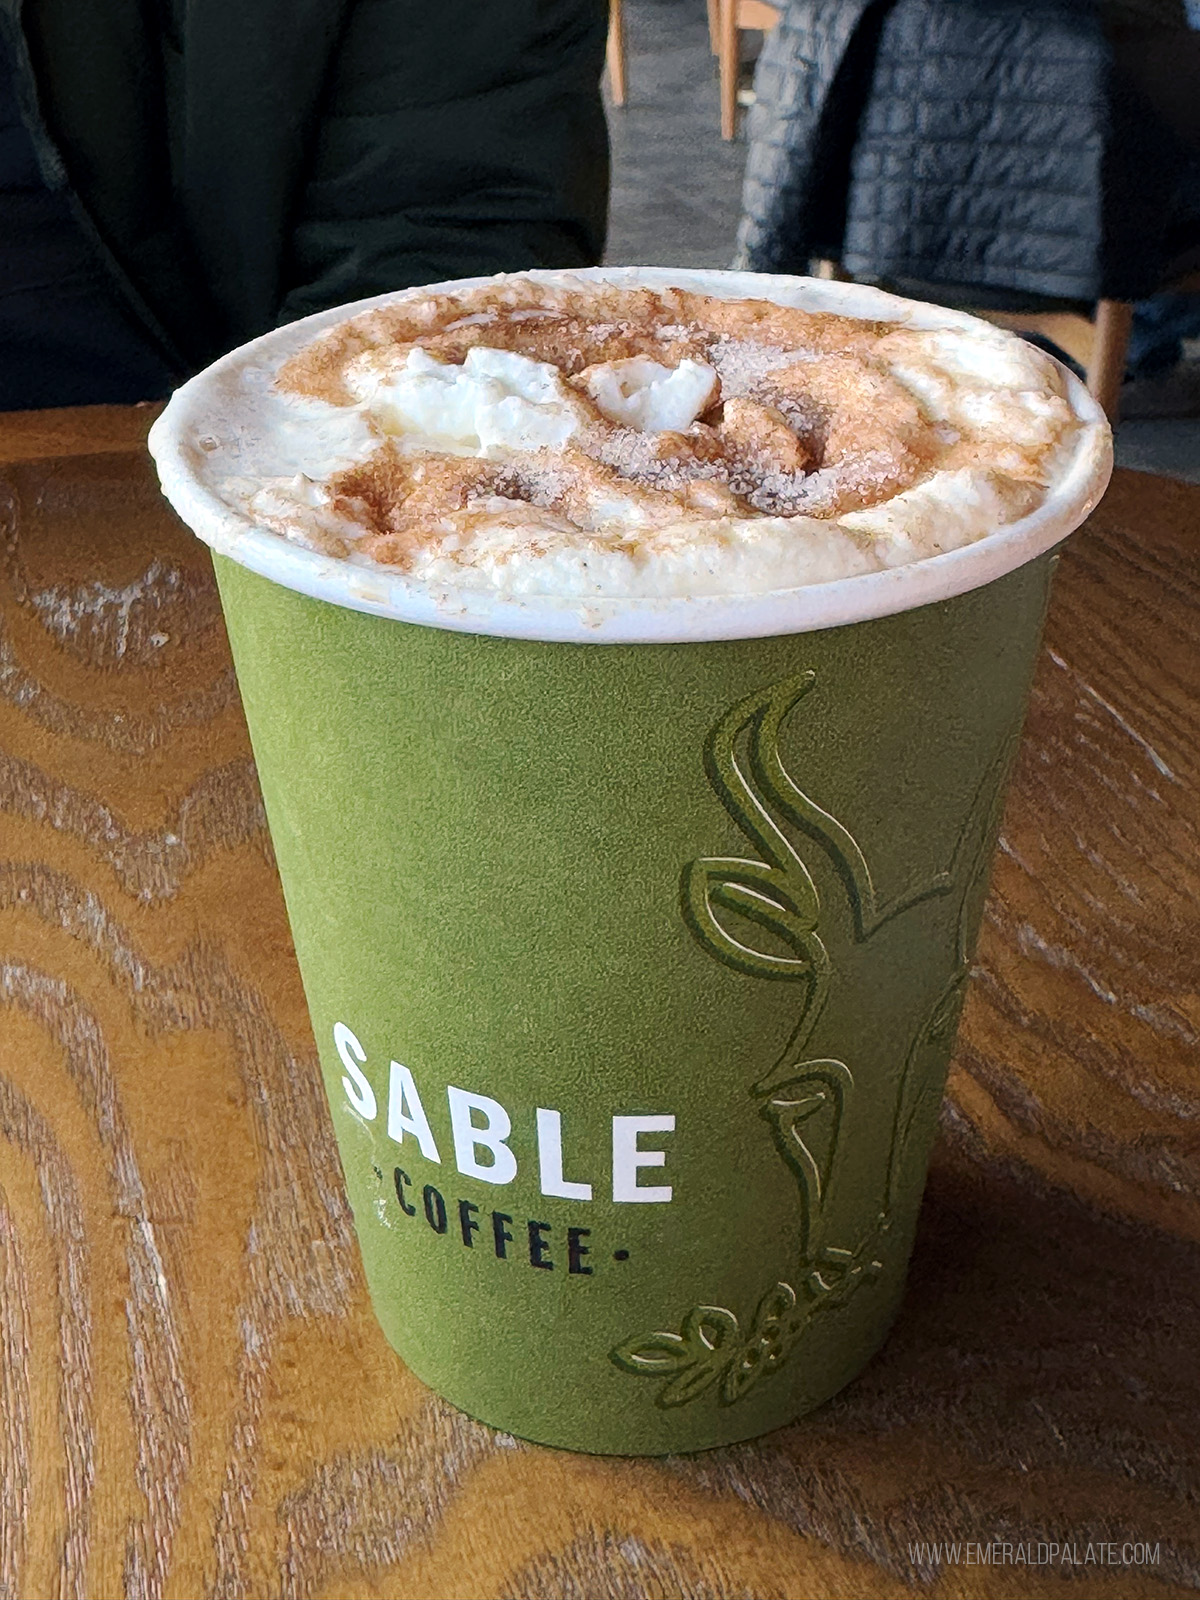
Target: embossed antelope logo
806,1101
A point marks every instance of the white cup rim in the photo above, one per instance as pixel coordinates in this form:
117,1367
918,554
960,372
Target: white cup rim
198,407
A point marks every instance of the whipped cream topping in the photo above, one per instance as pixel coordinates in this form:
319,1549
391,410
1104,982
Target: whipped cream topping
496,400
728,451
644,394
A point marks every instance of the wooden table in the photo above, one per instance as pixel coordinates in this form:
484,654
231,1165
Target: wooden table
195,1399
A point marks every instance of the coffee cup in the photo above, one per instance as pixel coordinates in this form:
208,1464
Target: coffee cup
634,934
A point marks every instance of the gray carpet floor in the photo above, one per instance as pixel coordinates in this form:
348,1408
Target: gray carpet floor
676,192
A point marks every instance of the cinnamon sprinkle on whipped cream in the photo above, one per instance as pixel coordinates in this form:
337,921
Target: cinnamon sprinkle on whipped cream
586,440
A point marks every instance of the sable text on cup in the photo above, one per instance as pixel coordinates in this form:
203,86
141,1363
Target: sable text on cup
480,1128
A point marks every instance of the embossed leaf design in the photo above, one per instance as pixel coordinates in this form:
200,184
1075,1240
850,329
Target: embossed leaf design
709,1327
653,1354
762,895
693,1359
724,767
774,1307
776,1326
724,901
776,893
806,1113
869,911
837,1273
693,1382
930,1042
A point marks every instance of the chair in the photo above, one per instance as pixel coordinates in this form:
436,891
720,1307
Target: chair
727,20
615,52
1100,345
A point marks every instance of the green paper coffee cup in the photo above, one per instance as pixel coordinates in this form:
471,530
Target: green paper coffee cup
634,936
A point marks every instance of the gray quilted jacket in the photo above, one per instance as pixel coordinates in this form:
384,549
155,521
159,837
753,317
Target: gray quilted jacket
988,144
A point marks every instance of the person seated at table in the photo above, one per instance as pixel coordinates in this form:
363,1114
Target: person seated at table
175,179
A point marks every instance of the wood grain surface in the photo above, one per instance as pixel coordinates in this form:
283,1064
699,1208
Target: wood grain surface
194,1397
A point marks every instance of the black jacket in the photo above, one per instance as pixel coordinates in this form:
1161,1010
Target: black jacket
239,163
987,144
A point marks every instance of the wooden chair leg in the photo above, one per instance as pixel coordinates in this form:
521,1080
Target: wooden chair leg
616,52
729,67
1110,348
714,26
